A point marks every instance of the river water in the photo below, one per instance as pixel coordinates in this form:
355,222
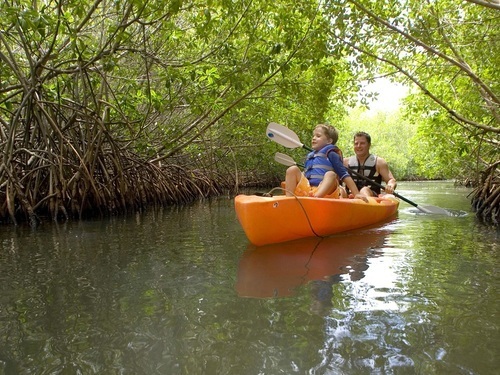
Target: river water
181,291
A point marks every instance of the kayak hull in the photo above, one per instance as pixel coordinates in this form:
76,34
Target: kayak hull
267,220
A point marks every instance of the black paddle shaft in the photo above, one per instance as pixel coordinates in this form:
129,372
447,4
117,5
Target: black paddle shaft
382,187
371,181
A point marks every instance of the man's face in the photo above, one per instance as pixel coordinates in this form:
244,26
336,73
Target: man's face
361,146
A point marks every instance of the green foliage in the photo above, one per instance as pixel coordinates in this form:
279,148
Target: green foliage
439,154
391,139
438,48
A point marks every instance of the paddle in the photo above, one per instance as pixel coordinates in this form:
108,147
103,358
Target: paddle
286,137
285,160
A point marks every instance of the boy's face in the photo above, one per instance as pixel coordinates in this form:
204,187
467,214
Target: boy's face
320,139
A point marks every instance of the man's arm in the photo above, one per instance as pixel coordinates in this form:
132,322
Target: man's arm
385,172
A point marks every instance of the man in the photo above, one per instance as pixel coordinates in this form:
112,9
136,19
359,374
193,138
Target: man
373,167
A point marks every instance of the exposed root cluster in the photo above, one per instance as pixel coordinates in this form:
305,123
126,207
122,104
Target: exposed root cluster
486,196
117,184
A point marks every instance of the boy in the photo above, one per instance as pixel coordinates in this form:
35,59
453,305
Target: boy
323,170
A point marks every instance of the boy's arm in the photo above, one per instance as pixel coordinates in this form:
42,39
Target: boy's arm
343,173
338,166
351,185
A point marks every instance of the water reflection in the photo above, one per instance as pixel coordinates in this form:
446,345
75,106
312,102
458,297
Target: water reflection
278,270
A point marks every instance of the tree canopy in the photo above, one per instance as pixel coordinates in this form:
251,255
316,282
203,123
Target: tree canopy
112,105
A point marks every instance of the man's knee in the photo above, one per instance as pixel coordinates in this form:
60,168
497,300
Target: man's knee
367,191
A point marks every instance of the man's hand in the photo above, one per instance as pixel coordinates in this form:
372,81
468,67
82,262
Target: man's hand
391,186
389,189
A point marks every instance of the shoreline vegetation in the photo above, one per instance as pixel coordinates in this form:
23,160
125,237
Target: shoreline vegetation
115,186
129,184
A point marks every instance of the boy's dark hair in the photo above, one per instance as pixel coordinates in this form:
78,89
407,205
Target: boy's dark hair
330,131
364,134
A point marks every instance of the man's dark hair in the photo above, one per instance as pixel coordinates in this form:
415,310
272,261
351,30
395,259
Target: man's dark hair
364,134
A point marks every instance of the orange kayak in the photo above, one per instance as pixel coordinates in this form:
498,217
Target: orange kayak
267,220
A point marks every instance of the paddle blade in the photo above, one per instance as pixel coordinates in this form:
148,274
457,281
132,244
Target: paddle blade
282,135
284,159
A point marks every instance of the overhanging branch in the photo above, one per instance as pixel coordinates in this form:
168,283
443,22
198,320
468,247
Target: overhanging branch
493,4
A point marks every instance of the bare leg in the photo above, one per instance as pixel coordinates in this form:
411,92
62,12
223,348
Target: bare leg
366,191
292,178
328,185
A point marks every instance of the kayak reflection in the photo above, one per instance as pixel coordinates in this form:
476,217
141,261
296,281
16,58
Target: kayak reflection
277,270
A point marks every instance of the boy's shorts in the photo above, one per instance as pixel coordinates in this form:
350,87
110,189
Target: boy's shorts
304,189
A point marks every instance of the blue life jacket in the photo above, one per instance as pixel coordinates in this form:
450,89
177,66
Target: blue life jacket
368,169
317,164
